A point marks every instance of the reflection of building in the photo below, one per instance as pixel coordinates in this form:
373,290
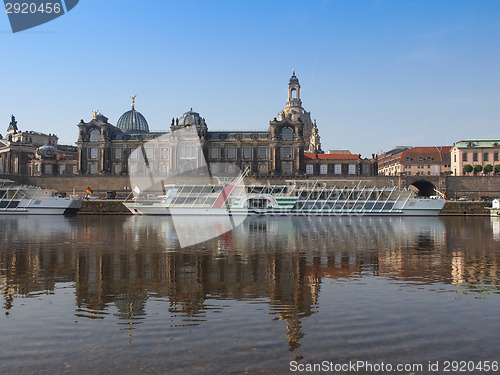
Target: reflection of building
415,161
30,153
474,152
291,141
121,263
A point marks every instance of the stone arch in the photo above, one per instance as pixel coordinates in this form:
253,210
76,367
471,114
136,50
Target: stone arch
424,188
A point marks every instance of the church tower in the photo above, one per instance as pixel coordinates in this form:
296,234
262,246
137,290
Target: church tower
294,111
294,92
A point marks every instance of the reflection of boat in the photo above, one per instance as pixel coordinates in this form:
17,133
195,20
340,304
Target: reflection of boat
21,200
300,198
495,207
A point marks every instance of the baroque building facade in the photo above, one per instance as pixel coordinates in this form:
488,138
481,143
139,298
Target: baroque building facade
415,161
29,153
475,152
289,146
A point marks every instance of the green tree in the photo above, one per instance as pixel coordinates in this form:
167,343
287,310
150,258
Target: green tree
478,168
497,168
468,168
488,168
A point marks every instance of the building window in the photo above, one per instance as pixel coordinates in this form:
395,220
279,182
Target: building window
455,158
337,169
62,169
93,153
118,153
464,156
495,156
149,153
287,167
420,158
286,152
262,153
429,159
93,168
94,136
352,169
263,168
188,153
48,168
214,153
75,169
309,169
287,134
247,152
323,169
474,156
231,153
485,156
164,153
408,158
118,168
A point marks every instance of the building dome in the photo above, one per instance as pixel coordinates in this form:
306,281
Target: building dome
46,152
190,118
293,78
133,122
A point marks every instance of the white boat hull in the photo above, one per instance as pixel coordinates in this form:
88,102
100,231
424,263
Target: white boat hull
414,207
44,206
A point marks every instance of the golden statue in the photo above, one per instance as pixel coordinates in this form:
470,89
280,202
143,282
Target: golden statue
94,113
133,100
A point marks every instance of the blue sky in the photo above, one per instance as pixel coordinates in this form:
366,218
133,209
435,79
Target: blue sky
374,74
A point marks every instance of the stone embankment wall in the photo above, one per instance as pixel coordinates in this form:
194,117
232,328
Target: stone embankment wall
452,208
473,187
103,207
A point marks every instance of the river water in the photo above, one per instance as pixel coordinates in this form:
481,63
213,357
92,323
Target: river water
117,295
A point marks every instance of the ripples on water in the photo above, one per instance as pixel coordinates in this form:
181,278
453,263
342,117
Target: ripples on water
110,295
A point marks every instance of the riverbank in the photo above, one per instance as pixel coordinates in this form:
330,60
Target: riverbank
115,207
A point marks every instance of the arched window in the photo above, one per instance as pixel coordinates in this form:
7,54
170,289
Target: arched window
94,136
287,134
294,93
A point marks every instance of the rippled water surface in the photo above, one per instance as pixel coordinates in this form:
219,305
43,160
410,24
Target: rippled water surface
116,295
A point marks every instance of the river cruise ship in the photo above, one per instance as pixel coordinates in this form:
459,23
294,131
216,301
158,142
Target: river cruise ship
294,198
26,200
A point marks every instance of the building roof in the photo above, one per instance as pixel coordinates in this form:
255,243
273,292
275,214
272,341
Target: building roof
438,154
132,122
480,143
190,118
331,156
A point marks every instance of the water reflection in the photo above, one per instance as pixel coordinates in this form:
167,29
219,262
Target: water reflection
119,263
